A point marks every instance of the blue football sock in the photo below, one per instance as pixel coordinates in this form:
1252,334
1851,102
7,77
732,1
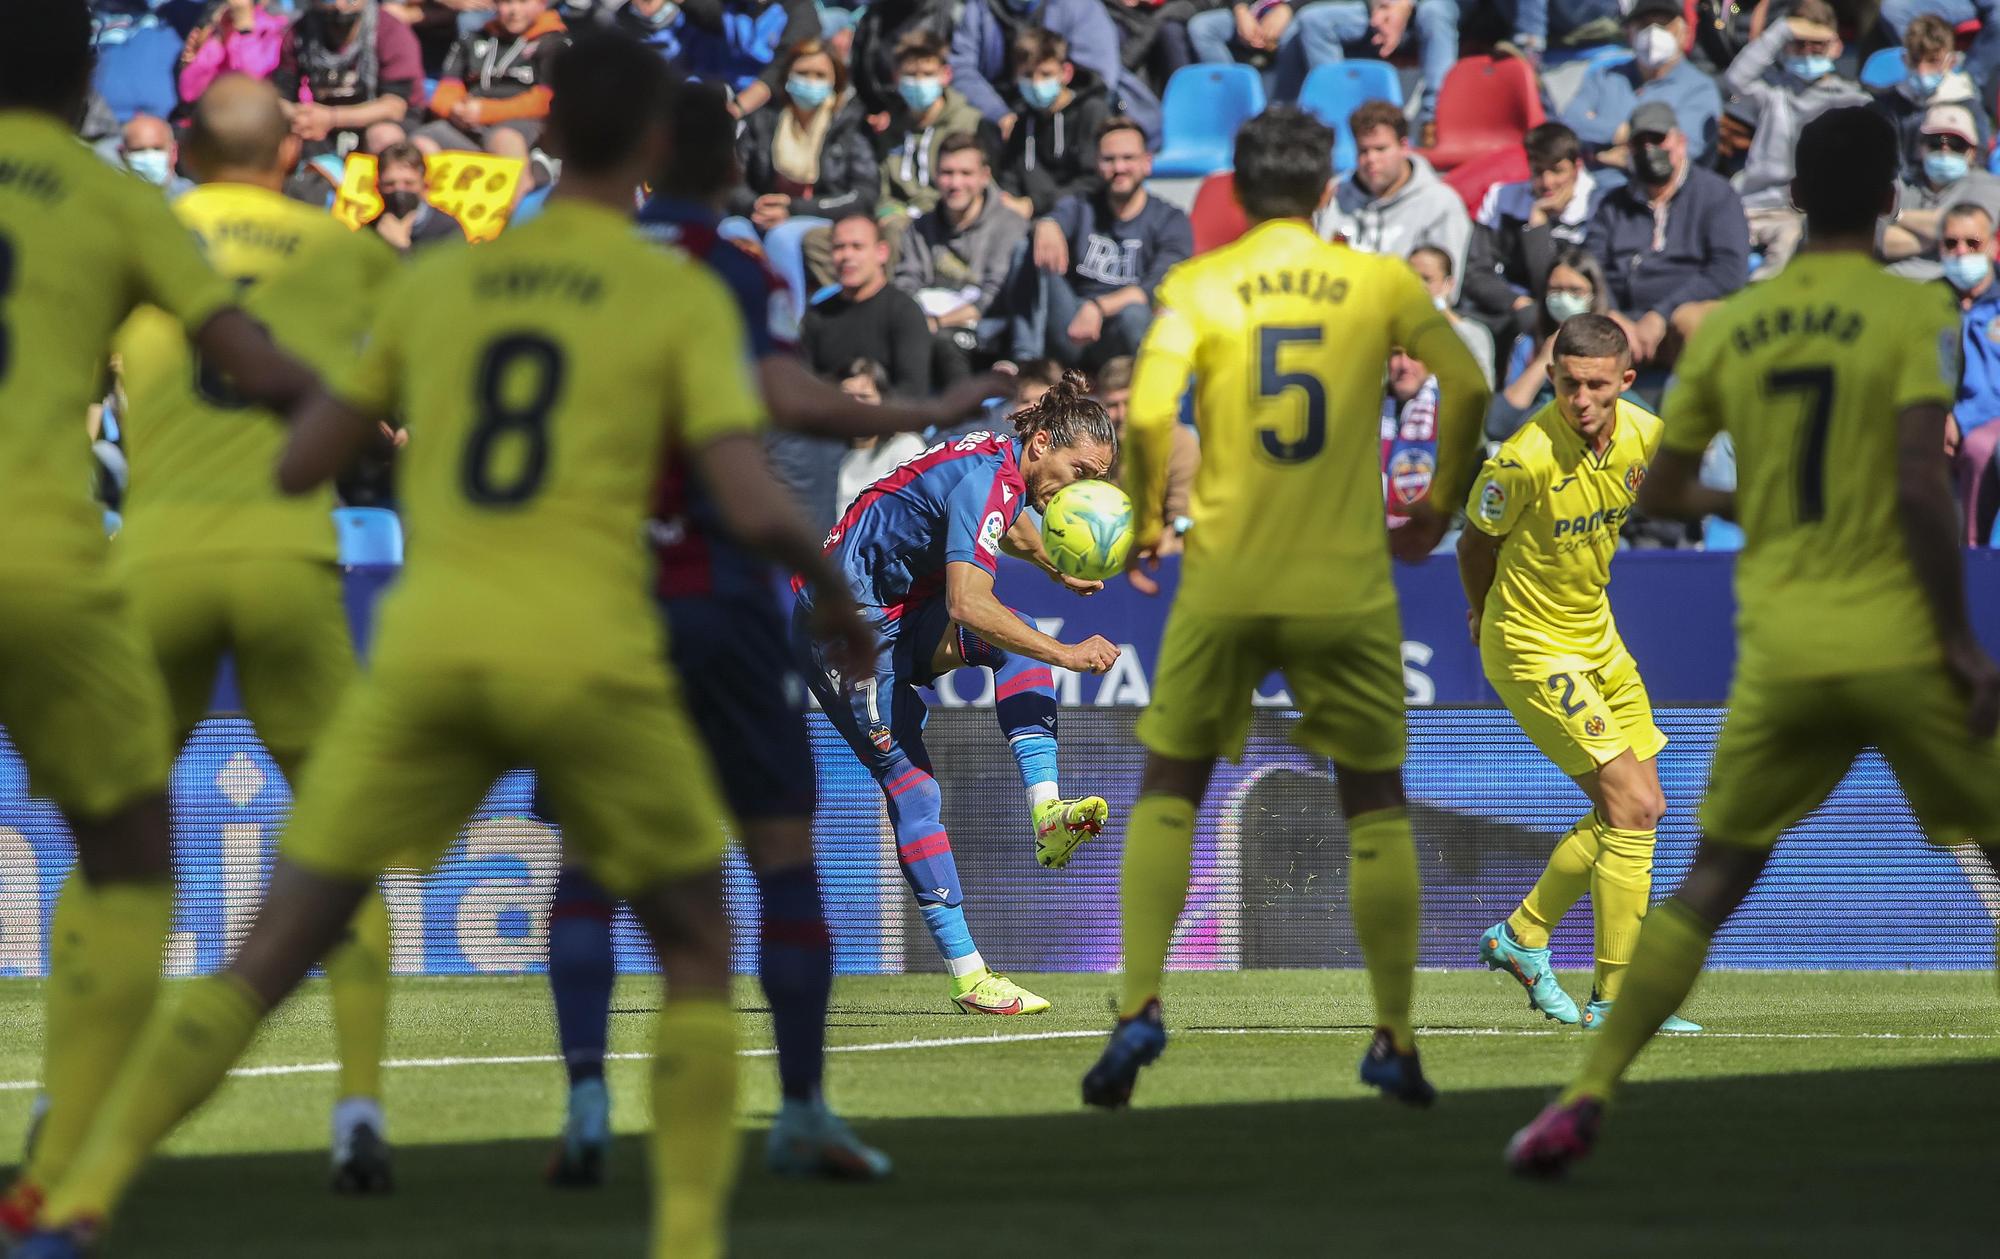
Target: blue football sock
581,971
924,851
1024,701
795,963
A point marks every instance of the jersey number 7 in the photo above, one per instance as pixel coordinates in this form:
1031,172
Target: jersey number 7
1273,383
1814,386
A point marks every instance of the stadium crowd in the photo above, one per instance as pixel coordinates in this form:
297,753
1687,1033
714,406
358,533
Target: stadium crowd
950,184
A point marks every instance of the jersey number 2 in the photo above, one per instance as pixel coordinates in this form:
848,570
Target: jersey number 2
1272,383
541,360
1815,386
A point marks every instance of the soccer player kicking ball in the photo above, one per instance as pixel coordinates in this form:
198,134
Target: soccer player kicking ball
218,561
545,376
81,246
1287,568
1544,518
919,550
1834,380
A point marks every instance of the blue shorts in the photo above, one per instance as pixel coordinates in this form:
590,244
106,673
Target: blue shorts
743,692
882,717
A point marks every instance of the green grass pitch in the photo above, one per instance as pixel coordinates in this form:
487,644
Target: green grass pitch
1828,1114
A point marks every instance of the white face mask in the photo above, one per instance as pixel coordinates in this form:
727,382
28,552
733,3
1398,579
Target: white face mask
1654,46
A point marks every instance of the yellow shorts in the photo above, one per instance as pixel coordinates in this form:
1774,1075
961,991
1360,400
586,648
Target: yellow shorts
1345,675
407,759
79,694
1584,720
281,619
1786,745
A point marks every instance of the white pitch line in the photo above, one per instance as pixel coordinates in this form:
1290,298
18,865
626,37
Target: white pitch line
1017,1038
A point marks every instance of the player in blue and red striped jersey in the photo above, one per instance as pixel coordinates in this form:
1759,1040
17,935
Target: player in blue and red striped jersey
728,643
919,549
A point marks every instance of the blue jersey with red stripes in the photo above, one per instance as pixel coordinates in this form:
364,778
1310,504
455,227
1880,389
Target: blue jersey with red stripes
952,503
694,556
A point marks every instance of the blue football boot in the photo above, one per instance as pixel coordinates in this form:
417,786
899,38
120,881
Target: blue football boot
1498,949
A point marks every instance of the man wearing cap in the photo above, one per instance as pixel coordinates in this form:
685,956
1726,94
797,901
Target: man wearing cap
1659,71
1785,79
1949,176
1672,242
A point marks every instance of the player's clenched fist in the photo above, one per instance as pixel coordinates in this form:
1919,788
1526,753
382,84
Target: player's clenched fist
1095,654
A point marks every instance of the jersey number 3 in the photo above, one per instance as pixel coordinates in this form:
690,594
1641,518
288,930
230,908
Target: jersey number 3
1273,383
503,412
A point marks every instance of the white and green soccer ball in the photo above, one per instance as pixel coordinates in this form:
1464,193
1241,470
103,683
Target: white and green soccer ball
1088,530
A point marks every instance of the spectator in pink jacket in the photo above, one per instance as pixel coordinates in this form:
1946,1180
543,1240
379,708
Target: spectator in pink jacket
242,37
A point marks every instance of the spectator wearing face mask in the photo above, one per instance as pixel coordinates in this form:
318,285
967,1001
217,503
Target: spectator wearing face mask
1575,286
1946,176
240,37
742,43
408,222
1785,78
1433,267
1972,433
1603,104
928,111
1673,242
147,149
1521,227
814,154
1052,151
1933,79
1982,59
879,32
348,65
988,29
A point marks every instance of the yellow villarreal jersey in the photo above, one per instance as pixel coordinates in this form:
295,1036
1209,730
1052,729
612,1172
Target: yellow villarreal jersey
1559,505
1807,373
81,244
1286,337
201,457
542,377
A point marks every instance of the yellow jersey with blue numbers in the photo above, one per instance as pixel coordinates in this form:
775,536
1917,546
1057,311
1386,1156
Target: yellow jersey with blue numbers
1285,337
542,377
1807,373
81,244
202,458
1558,505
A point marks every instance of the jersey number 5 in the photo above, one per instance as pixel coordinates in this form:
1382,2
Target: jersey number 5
510,359
1814,386
1272,383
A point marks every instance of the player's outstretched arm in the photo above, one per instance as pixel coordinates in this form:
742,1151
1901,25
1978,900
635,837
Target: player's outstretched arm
1929,520
969,601
326,435
804,403
1673,489
259,368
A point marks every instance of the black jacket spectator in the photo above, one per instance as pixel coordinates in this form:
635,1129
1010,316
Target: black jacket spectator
1053,154
888,327
871,60
366,66
849,176
1703,252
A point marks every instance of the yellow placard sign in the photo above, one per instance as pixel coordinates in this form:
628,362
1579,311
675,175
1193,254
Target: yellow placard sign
477,189
357,202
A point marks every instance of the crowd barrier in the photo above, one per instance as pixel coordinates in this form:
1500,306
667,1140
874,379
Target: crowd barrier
1854,887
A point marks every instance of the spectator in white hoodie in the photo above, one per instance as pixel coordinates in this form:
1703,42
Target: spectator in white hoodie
1394,202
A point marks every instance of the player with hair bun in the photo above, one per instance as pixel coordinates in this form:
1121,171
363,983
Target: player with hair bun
920,550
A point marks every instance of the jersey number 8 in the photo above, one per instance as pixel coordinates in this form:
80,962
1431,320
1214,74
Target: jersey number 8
510,358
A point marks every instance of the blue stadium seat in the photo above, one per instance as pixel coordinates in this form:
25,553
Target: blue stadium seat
1332,92
1204,106
368,535
1884,69
1718,534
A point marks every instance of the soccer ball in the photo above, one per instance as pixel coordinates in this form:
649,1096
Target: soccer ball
1088,530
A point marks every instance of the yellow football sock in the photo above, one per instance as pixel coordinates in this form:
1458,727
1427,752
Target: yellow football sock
104,971
194,1036
1672,948
357,971
1383,898
1621,888
694,1127
1159,849
1561,886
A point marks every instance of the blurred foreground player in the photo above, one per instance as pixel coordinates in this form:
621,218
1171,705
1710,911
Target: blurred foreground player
1287,568
727,638
1535,558
81,245
1853,628
217,560
919,551
547,377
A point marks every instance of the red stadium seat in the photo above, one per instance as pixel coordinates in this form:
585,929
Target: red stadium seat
1486,104
1216,216
1470,180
